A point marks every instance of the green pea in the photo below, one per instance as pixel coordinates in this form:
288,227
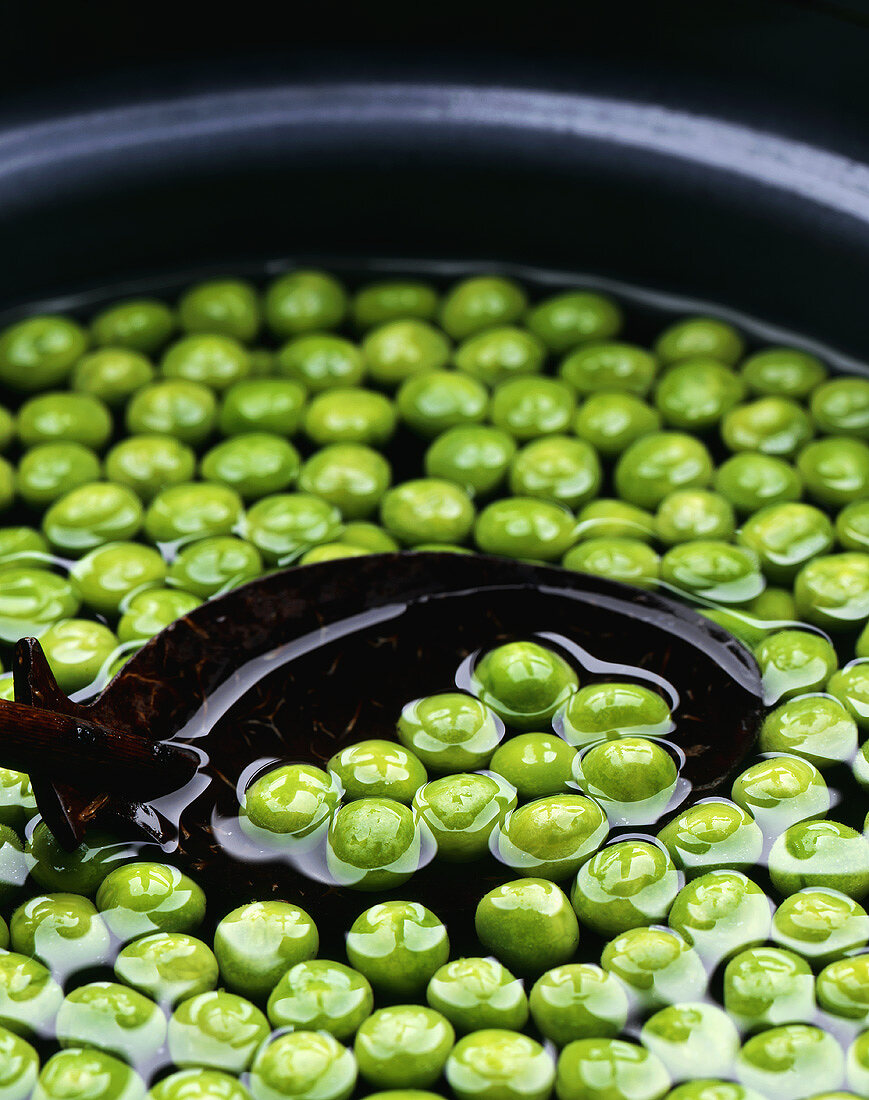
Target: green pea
525,527
350,416
605,367
693,514
526,408
107,577
373,844
254,464
850,685
216,1030
450,732
349,476
656,967
711,836
213,566
292,800
257,943
659,463
209,360
767,986
193,510
783,372
700,336
852,526
404,1046
142,897
369,537
226,307
13,871
262,405
183,409
835,470
615,519
578,1001
552,837
780,791
787,536
19,1066
63,931
148,463
858,1067
399,350
791,1061
437,400
843,988
599,1069
574,317
378,769
17,804
320,995
536,764
39,352
611,422
149,612
479,303
627,560
820,853
66,418
528,924
816,727
714,570
427,510
557,468
32,599
332,551
90,1073
753,481
629,884
398,946
841,407
632,778
113,1018
29,996
691,1039
49,470
721,913
475,993
321,362
284,526
696,393
304,301
499,1065
820,924
394,300
199,1084
7,690
168,967
600,711
793,662
500,353
112,375
476,458
771,425
138,324
80,871
833,591
78,652
524,683
304,1064
462,810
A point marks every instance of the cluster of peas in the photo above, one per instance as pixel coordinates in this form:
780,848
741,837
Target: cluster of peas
162,455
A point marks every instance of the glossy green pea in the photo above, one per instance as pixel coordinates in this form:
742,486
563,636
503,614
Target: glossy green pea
656,966
32,599
629,884
552,837
523,682
349,476
320,995
17,804
450,732
659,463
770,425
332,551
529,925
108,576
833,591
29,996
199,1084
138,324
80,871
292,800
149,612
820,924
720,913
394,300
462,810
787,536
632,778
403,1046
193,510
696,336
378,769
696,393
257,943
479,303
432,402
90,1073
262,405
304,301
369,537
148,463
557,468
209,360
608,710
63,931
185,410
494,1064
427,510
835,470
226,307
398,946
605,367
691,1038
50,470
714,570
620,559
578,1001
112,375
525,528
307,1065
850,685
373,844
611,422
398,350
843,988
19,1066
768,986
321,362
530,407
772,609
254,464
820,853
781,790
350,416
39,352
474,993
791,1061
858,1066
64,418
144,897
614,519
500,353
852,526
841,407
216,1030
692,514
793,662
475,458
575,317
753,481
815,727
13,872
284,526
168,967
213,566
600,1069
78,652
112,1018
783,372
536,764
712,835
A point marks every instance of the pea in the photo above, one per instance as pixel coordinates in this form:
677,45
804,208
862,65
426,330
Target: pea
143,897
627,560
858,1065
843,988
63,931
201,1084
149,612
835,470
282,527
450,732
841,407
629,884
692,514
793,662
714,570
633,779
787,536
254,464
476,458
112,375
320,995
696,393
398,946
257,943
13,872
570,318
528,924
90,1073
711,836
850,685
148,463
32,599
691,1039
49,470
208,360
427,510
833,591
292,800
262,405
862,646
216,1030
64,417
369,537
656,967
559,469
784,372
168,967
304,301
437,400
660,463
112,1018
753,481
304,1064
109,575
791,1061
184,409
350,416
700,336
39,352
820,853
138,324
193,510
225,307
600,711
500,353
535,764
523,682
852,526
578,1001
479,303
820,924
378,769
781,790
78,652
17,804
80,871
373,844
815,727
552,837
213,566
398,350
404,1046
21,546
615,519
530,407
321,362
474,994
331,551
19,1066
7,689
771,425
721,913
595,1069
499,1064
524,527
611,422
603,367
394,300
